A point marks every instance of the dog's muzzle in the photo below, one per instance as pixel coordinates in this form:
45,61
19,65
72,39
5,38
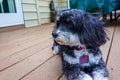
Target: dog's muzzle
54,34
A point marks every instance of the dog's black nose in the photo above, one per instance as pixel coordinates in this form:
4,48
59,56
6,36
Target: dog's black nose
54,34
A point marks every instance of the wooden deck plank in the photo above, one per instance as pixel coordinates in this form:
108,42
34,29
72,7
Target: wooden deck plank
20,42
23,32
105,48
9,28
19,38
19,70
14,48
13,59
51,70
63,78
114,60
19,35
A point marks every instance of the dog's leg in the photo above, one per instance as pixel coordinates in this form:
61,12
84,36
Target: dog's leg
55,48
100,75
78,75
86,77
81,77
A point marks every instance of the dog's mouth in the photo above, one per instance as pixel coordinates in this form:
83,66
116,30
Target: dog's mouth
59,42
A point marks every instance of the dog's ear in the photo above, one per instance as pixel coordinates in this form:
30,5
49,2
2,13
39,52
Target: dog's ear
92,32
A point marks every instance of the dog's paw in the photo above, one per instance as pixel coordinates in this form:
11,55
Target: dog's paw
87,77
99,76
55,50
103,78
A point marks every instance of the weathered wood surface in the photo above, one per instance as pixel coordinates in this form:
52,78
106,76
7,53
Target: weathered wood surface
25,54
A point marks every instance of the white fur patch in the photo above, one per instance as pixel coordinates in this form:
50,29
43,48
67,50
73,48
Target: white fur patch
70,59
87,77
55,49
99,76
94,59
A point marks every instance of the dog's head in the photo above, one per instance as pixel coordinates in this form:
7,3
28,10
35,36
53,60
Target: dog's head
76,27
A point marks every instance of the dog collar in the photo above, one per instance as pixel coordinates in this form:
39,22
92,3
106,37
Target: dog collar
84,59
79,48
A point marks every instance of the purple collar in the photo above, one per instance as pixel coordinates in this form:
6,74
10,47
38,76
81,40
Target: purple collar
84,59
79,48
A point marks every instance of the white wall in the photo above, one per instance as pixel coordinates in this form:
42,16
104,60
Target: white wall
37,12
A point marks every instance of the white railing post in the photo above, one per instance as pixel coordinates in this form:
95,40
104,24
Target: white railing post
68,4
1,6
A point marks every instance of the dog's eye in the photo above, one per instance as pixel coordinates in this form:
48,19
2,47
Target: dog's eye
68,21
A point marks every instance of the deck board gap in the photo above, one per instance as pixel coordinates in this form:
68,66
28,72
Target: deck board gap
60,76
27,48
110,45
23,59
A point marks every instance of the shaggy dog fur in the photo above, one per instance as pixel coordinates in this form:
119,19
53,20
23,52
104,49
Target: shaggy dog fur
77,37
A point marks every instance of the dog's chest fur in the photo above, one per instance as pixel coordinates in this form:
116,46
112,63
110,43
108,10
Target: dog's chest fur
73,56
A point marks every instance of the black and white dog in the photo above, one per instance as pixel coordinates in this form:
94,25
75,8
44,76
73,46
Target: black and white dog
77,37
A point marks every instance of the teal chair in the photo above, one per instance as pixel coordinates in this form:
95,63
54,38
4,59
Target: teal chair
107,6
103,7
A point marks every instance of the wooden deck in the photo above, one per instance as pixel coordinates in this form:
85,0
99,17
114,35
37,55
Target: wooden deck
25,54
